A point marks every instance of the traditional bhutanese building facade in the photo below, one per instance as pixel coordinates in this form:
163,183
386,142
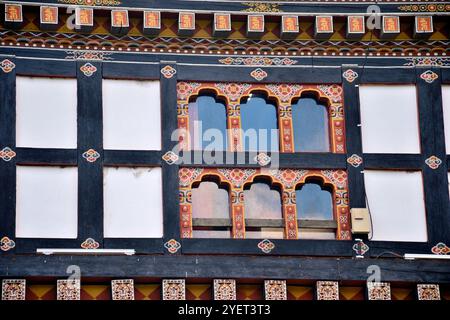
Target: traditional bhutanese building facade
329,123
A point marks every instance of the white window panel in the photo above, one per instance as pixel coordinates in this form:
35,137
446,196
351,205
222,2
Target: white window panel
389,119
46,112
131,115
396,203
446,108
46,202
132,202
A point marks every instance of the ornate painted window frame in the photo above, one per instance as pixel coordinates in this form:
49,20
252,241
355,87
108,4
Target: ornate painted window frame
288,179
233,93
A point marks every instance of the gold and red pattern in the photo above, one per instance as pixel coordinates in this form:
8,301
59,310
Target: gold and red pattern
324,24
424,24
84,16
289,179
290,24
186,21
284,94
152,19
119,18
13,13
355,24
255,23
391,24
49,15
92,2
222,22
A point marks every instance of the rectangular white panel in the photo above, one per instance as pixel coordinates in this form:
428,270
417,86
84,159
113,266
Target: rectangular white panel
389,119
132,202
131,115
46,203
396,203
46,112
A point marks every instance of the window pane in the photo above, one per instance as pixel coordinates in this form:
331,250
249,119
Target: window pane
396,203
259,120
46,112
389,119
446,109
208,201
131,115
132,203
313,203
310,122
46,203
218,234
265,233
208,119
261,202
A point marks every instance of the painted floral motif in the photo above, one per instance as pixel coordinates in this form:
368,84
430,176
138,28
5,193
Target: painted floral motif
6,244
275,289
429,76
91,155
187,175
92,2
428,292
425,8
172,246
68,289
224,289
350,75
284,91
7,154
258,61
174,289
262,159
168,72
233,91
88,69
258,74
327,290
433,162
122,289
13,289
355,160
237,176
90,243
333,92
379,290
170,157
266,246
440,248
428,62
185,89
261,7
288,177
7,66
360,248
88,55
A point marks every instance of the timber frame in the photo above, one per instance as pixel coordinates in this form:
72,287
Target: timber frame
198,258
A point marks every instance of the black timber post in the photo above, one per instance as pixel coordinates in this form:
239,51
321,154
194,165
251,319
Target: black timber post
8,149
90,136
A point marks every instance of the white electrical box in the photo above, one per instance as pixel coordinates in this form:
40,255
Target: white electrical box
360,220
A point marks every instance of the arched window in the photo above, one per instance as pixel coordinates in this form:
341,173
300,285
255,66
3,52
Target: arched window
207,124
310,123
210,211
259,123
263,212
315,212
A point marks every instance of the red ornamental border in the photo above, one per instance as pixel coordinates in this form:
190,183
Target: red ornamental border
288,179
233,93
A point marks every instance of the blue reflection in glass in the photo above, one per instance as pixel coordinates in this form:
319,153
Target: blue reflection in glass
204,114
259,119
310,122
314,203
